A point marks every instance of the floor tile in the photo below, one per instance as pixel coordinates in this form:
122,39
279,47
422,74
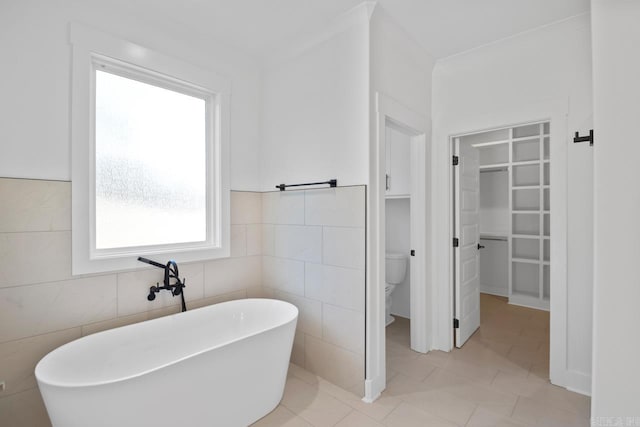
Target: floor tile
442,404
313,405
499,378
406,415
534,412
357,419
484,418
281,417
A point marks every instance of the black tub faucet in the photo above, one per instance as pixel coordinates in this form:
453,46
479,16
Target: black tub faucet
170,272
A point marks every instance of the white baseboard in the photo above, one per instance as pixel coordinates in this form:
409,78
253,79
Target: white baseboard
372,390
579,382
494,291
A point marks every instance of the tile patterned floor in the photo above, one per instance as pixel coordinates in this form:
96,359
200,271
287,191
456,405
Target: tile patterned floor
498,378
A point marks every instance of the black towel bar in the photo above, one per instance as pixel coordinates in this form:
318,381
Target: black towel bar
332,183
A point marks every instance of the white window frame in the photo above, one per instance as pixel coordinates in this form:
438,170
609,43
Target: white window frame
94,50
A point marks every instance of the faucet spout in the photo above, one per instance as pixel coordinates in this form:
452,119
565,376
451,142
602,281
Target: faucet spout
170,272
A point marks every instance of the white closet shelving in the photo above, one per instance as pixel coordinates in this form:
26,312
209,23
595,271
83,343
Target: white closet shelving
524,153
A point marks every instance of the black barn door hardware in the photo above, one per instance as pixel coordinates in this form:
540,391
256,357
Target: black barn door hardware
578,138
332,183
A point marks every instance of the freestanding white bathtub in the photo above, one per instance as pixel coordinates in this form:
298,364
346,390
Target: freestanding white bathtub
223,365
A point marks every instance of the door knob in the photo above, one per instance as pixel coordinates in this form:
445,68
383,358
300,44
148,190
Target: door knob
480,246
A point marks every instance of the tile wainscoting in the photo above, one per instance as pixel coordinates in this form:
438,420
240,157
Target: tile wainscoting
306,247
314,257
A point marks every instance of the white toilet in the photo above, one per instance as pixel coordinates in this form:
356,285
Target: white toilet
396,269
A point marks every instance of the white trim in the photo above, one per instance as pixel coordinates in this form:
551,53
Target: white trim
359,14
90,46
555,111
387,108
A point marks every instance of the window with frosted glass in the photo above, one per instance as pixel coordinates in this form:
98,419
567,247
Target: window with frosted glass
150,164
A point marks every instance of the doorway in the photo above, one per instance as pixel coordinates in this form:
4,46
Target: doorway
502,245
407,193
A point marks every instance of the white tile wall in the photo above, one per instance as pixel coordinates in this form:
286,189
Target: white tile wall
309,313
34,257
306,247
33,205
341,367
246,207
42,306
337,286
343,247
238,240
254,239
298,242
283,274
38,309
24,409
268,239
232,274
20,356
335,206
343,327
314,257
283,207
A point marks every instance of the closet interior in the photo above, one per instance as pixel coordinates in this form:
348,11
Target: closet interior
514,213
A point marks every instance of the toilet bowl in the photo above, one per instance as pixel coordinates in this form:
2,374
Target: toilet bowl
396,269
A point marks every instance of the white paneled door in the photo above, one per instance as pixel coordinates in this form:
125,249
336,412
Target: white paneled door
467,265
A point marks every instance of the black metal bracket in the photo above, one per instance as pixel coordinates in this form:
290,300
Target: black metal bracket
578,138
170,272
332,183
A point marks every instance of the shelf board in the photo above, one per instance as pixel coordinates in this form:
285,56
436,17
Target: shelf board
526,212
526,260
528,138
489,143
494,166
525,236
525,187
526,163
494,234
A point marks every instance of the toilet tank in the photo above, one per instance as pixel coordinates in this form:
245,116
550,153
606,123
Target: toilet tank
396,268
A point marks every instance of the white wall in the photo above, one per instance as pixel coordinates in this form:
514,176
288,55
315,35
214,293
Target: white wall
494,202
35,102
315,108
494,218
400,68
549,63
616,67
398,230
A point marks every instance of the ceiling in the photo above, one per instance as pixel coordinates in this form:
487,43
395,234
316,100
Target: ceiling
442,27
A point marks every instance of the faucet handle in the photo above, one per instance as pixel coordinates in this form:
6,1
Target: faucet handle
152,293
178,286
